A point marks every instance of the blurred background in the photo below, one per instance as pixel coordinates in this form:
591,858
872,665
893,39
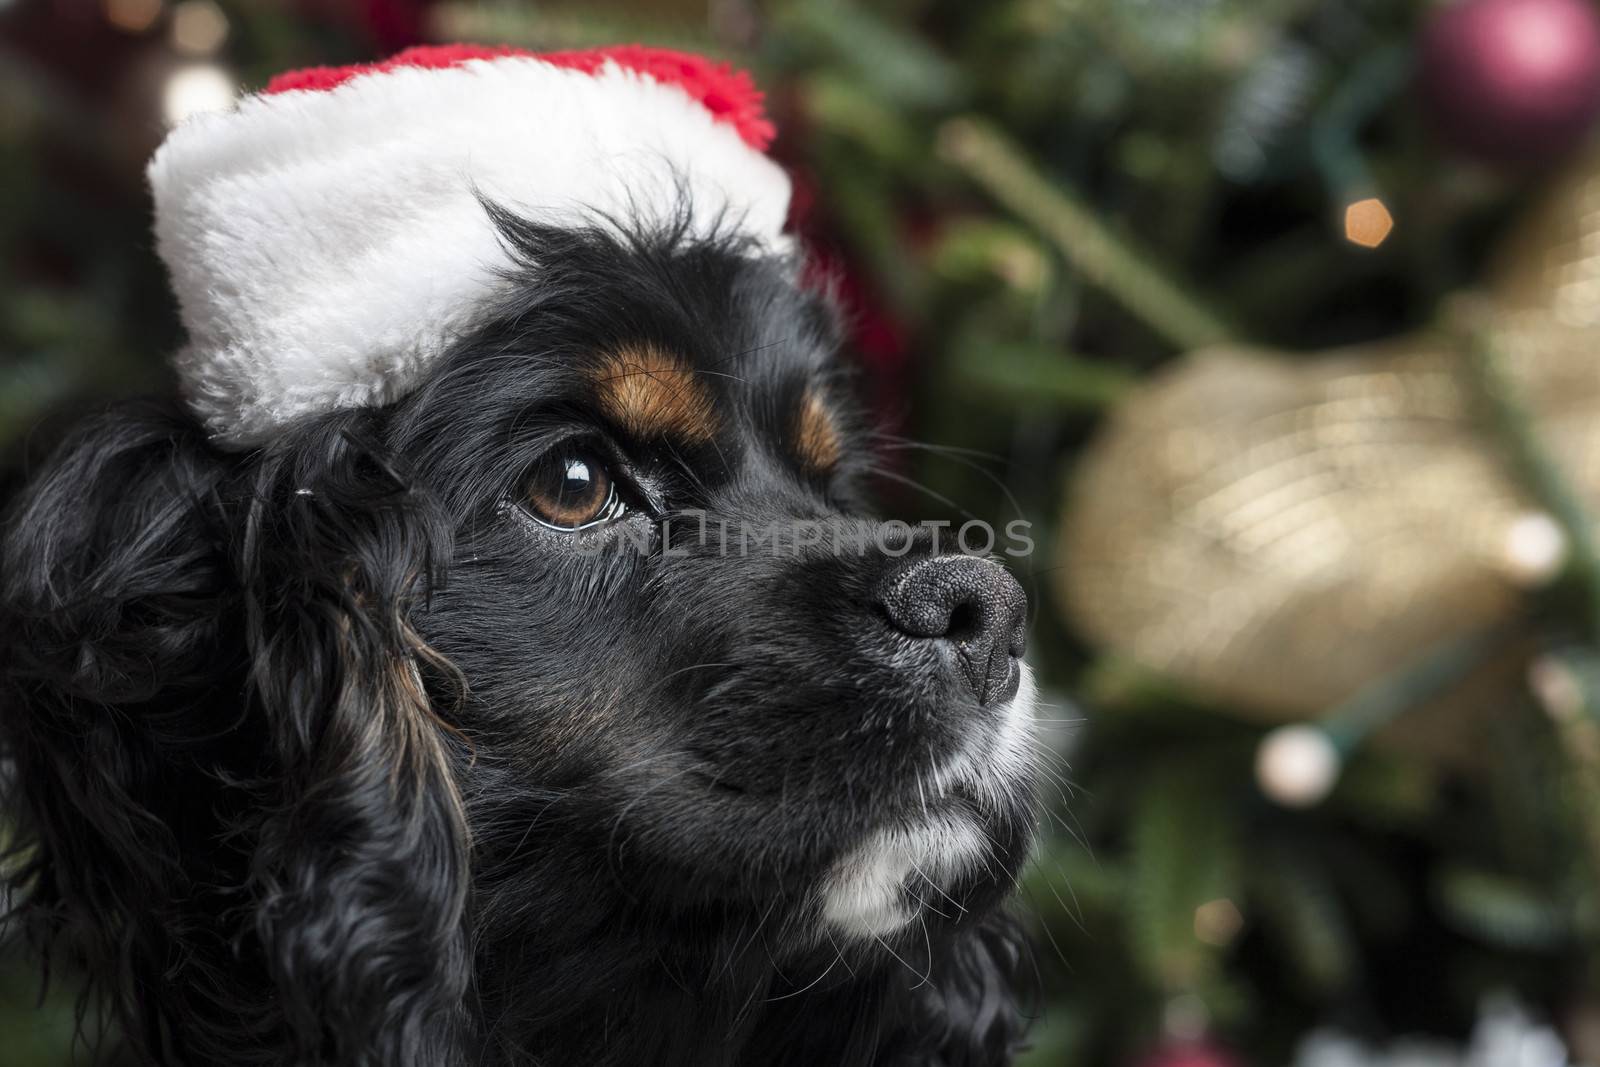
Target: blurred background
1276,318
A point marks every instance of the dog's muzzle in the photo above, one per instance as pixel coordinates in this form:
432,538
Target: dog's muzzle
974,606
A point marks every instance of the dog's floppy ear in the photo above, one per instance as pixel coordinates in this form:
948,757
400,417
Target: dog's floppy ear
360,870
114,600
234,810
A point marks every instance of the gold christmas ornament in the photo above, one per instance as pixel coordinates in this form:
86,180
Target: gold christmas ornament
1274,532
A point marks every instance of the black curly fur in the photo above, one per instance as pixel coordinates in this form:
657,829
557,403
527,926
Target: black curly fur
318,757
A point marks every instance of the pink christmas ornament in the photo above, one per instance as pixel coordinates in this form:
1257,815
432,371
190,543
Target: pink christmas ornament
1512,81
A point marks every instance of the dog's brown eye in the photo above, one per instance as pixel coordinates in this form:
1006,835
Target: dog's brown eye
570,490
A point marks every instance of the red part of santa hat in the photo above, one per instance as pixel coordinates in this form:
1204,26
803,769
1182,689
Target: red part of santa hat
327,238
729,95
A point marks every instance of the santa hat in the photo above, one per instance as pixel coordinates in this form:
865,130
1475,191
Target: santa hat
327,238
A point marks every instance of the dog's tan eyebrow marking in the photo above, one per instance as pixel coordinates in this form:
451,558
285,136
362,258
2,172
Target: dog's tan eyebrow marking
816,437
651,393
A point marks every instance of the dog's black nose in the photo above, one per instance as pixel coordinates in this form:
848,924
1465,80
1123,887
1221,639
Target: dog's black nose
972,603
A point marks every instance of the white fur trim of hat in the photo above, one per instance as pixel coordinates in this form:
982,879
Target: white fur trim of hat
326,239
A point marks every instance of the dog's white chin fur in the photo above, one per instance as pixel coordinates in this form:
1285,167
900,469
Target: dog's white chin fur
875,888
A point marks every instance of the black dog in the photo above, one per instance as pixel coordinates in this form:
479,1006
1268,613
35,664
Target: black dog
429,734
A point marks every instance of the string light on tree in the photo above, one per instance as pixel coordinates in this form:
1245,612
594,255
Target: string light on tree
1367,222
1557,687
194,89
1218,922
1185,1018
1535,550
131,16
199,28
1298,765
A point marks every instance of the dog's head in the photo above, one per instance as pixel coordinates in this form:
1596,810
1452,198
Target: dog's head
671,612
567,708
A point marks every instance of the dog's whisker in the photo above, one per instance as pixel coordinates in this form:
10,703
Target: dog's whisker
896,441
694,667
1049,934
740,950
912,483
921,978
956,456
616,825
937,888
809,986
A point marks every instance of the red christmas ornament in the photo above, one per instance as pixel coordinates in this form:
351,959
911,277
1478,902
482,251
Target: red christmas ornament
1188,1054
1512,80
